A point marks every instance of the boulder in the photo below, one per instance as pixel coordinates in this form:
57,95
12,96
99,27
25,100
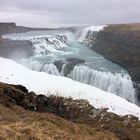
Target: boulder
75,60
59,65
69,65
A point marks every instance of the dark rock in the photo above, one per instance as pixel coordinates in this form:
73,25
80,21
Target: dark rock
69,65
75,60
68,68
19,95
59,65
121,45
12,95
20,87
72,62
7,28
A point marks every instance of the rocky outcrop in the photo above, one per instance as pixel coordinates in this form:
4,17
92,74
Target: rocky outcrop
121,44
67,66
71,63
7,27
11,27
78,111
59,65
75,60
66,107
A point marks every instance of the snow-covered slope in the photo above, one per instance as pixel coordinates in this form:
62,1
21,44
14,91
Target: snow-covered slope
40,82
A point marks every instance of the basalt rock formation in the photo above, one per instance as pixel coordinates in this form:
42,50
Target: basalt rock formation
69,65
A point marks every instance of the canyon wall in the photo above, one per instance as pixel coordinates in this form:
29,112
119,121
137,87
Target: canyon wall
121,44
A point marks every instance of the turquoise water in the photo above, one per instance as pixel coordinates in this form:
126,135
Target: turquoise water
73,49
97,71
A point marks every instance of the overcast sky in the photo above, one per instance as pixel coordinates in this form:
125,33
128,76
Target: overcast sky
52,13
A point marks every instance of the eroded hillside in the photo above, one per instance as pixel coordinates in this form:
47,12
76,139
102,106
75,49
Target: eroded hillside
25,115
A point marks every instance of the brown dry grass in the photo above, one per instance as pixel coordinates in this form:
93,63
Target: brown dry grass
123,28
19,124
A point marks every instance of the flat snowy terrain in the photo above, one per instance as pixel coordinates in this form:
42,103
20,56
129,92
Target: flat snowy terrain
43,83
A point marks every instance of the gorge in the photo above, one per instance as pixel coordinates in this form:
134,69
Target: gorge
64,52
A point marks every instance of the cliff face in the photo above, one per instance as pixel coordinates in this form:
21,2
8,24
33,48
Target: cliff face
14,49
121,44
11,27
7,27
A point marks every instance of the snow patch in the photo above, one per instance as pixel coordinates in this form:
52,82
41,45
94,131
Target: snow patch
117,83
40,82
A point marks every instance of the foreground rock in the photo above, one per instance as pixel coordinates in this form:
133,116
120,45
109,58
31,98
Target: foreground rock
66,107
78,111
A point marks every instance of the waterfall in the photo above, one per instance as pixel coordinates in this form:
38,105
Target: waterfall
88,34
63,69
47,45
50,69
119,84
41,66
44,44
49,48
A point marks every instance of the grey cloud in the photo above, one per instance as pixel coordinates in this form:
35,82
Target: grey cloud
65,12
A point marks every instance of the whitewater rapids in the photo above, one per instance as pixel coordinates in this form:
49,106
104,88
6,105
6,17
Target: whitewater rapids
43,83
51,46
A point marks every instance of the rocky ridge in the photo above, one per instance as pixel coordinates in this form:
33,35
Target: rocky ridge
77,111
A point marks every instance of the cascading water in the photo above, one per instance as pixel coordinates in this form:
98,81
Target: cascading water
118,83
52,46
88,34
